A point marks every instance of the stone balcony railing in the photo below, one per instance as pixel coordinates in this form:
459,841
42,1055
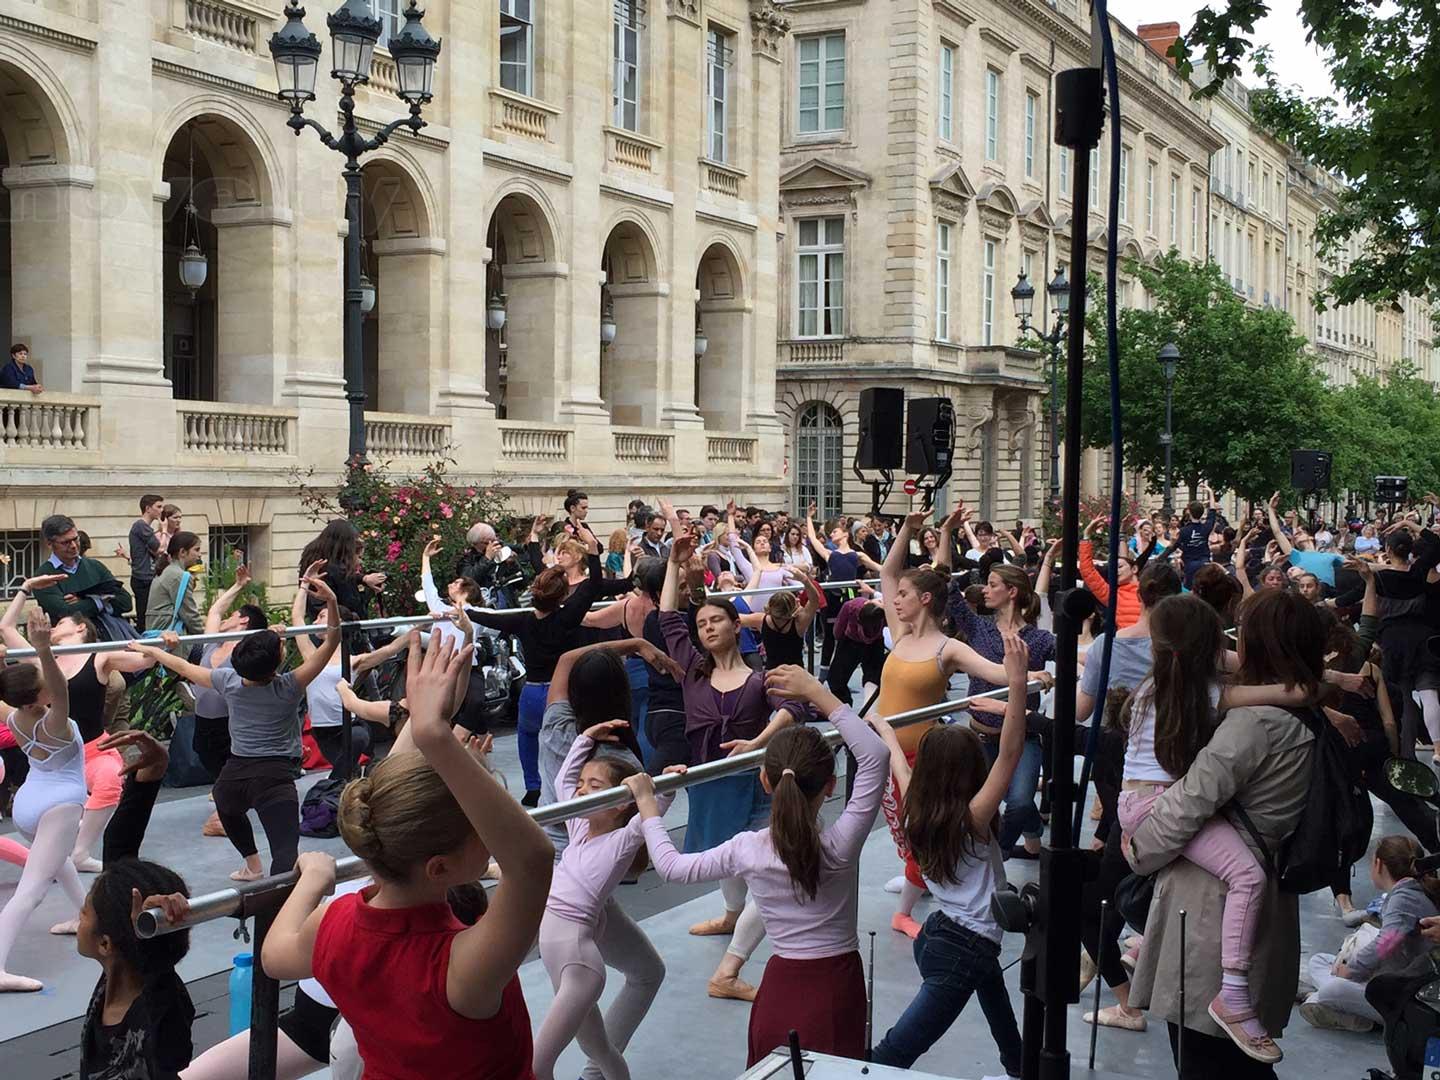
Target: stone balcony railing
221,428
719,179
384,75
730,449
816,351
398,435
522,442
630,150
516,114
234,25
48,421
644,447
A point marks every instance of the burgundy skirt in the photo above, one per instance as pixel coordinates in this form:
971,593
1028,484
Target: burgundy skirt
823,1000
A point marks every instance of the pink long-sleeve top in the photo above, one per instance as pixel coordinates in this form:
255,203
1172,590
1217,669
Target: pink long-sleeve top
592,866
800,929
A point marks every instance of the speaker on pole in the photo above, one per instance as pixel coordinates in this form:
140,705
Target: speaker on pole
1310,470
930,447
882,428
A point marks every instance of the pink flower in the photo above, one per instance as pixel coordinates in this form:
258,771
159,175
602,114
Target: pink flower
400,513
446,511
393,551
470,492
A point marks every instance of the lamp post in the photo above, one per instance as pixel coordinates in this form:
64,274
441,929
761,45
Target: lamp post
1169,359
354,30
1023,296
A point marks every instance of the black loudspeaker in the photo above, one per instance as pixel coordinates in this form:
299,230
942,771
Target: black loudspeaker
930,446
1392,490
882,429
1310,470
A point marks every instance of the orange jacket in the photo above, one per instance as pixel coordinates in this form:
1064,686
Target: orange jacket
1127,600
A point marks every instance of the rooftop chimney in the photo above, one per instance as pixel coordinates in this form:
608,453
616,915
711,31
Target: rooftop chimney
1160,36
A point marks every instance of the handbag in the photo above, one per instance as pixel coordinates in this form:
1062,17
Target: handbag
1133,897
176,623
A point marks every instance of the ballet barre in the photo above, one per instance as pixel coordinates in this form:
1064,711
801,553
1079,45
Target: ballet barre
235,901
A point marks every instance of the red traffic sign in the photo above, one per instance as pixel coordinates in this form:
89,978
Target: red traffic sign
911,486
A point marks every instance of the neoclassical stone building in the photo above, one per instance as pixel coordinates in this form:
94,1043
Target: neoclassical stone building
607,173
909,211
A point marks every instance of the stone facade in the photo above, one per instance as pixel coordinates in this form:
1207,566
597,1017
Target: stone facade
905,226
537,181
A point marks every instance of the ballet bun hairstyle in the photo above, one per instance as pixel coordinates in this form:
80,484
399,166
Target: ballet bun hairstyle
549,589
110,899
936,582
1398,854
1027,604
20,685
782,606
799,768
401,816
950,769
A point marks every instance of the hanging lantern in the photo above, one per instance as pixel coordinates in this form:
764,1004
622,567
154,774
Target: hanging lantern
702,342
607,322
194,267
367,294
495,311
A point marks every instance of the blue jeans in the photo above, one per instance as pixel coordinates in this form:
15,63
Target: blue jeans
954,963
527,731
1020,818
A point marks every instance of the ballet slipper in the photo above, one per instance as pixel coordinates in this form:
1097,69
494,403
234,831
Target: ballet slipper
730,987
68,928
1097,811
90,865
19,984
212,826
721,927
904,924
1116,1017
246,874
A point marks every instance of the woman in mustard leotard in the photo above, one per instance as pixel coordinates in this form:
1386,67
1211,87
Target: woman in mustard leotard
917,672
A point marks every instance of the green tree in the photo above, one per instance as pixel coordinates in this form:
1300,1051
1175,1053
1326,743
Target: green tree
1382,138
1245,393
1389,428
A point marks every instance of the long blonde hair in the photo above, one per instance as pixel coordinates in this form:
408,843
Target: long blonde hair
401,816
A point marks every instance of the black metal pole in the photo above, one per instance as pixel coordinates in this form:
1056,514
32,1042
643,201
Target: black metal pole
347,722
1169,440
354,352
1055,337
264,1005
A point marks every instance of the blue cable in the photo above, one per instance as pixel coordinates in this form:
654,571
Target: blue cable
1112,264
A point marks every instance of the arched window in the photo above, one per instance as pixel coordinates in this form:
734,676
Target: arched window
819,459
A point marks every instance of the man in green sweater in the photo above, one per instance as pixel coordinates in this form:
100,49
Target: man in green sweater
91,587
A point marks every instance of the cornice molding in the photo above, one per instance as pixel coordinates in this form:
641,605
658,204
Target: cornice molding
47,33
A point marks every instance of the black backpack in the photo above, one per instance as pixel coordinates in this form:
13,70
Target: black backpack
1334,831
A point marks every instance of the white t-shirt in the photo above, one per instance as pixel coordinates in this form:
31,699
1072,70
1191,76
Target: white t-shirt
322,697
1140,763
967,902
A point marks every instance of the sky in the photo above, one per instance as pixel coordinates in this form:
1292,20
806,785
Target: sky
1297,62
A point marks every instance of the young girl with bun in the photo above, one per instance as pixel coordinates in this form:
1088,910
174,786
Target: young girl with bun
449,1002
800,876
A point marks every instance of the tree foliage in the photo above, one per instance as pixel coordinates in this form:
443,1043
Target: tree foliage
1382,137
1245,393
1387,428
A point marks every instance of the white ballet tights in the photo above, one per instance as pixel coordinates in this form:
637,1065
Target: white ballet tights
733,890
749,932
230,1060
92,827
624,947
48,860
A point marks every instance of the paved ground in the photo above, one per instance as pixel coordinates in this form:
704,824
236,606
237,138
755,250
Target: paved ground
687,1033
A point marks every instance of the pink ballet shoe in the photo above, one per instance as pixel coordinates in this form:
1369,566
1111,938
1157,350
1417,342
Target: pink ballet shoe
66,929
19,984
904,924
246,874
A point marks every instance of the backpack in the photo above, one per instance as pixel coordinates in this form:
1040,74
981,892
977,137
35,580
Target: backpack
1334,831
319,813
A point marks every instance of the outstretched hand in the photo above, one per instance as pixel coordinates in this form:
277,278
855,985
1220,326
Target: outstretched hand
151,760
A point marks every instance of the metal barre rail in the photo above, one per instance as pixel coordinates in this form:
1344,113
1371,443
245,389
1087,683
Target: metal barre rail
218,905
379,624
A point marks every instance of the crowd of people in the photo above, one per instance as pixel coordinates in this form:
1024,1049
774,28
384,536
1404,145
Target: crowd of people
1242,657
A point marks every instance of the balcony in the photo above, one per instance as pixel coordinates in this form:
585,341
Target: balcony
818,351
633,446
233,25
384,76
522,442
521,116
630,150
720,179
222,429
730,449
396,435
45,423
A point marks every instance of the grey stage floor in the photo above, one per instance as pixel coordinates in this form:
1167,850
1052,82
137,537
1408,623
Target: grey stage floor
687,1033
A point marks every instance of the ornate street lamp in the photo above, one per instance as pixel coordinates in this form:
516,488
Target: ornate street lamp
702,341
194,266
495,312
1169,359
1023,295
354,31
607,321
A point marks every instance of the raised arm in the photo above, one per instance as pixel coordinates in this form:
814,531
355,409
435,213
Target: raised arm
312,665
10,621
433,602
820,549
1094,580
1047,569
191,673
485,957
221,604
57,717
1242,568
1280,538
303,643
814,601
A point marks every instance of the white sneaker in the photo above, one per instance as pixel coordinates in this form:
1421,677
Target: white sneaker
895,884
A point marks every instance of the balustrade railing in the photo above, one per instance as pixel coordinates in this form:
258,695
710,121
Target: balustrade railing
520,116
525,442
817,352
384,76
48,421
398,435
721,181
729,450
223,23
631,151
235,429
643,446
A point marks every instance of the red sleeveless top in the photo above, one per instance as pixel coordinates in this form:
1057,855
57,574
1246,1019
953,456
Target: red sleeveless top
386,969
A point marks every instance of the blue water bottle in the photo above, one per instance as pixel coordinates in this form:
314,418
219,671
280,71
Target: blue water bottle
240,980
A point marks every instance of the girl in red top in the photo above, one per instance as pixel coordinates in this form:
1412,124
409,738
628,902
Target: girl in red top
425,995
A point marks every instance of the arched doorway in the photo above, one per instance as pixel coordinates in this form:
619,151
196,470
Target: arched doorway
218,340
723,372
523,279
632,297
819,459
401,257
38,294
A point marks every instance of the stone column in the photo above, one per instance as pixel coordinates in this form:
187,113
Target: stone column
252,303
410,315
636,360
534,299
50,265
728,363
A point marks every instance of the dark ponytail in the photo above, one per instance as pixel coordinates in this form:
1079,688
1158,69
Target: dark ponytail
181,541
798,766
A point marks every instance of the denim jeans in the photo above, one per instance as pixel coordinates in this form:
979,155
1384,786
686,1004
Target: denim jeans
954,963
1021,818
527,731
